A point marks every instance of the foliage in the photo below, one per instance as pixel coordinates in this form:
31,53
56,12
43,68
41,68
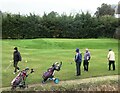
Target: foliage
53,25
105,10
118,8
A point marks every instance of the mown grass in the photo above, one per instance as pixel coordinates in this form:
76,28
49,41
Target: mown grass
42,53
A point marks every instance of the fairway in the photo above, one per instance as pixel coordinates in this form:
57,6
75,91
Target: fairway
40,54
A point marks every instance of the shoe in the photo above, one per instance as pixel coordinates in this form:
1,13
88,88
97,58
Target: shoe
77,75
14,73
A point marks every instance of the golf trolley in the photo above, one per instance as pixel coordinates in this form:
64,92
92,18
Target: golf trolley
49,74
20,79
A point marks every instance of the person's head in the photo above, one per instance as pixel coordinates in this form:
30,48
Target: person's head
77,50
86,49
110,49
15,49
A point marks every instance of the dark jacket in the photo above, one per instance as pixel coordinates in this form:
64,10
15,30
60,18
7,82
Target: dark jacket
17,56
78,57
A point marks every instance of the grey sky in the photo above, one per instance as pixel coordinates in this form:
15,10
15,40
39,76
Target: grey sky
60,6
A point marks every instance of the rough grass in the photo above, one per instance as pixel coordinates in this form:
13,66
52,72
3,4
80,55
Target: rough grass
41,53
105,83
109,85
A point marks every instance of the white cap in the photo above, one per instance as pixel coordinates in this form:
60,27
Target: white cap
86,49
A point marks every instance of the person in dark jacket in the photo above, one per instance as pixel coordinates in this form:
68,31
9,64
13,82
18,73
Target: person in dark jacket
78,60
86,60
16,58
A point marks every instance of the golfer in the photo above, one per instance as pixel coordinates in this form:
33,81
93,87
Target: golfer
78,60
111,59
16,58
86,60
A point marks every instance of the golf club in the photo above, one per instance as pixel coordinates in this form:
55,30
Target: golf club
9,65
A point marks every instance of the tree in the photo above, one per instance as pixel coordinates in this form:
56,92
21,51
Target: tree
107,26
53,25
118,8
105,10
0,24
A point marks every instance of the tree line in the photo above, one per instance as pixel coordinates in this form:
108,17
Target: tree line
53,25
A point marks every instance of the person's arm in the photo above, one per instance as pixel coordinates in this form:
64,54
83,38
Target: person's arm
89,56
108,56
76,57
19,56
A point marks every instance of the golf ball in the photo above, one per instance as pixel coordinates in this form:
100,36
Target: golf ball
26,61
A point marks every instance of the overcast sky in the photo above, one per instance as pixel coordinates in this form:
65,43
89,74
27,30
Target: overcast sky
59,6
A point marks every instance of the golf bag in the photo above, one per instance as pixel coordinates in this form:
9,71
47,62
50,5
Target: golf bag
19,80
49,74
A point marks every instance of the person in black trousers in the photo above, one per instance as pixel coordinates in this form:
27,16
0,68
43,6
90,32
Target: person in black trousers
16,58
111,59
86,60
78,60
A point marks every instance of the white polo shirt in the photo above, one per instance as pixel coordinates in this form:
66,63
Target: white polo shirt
111,56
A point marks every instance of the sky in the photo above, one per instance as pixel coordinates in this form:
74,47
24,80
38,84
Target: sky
60,6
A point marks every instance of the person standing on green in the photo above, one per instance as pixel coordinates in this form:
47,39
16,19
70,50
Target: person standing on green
86,59
78,60
111,59
16,57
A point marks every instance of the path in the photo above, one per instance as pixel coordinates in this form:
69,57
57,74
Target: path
76,81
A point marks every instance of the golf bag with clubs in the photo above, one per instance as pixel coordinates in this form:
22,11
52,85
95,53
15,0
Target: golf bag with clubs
20,79
49,74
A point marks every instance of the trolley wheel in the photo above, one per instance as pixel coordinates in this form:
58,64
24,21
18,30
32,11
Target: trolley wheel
13,88
43,82
27,86
24,86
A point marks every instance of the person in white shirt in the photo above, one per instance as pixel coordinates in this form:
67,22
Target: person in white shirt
111,59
